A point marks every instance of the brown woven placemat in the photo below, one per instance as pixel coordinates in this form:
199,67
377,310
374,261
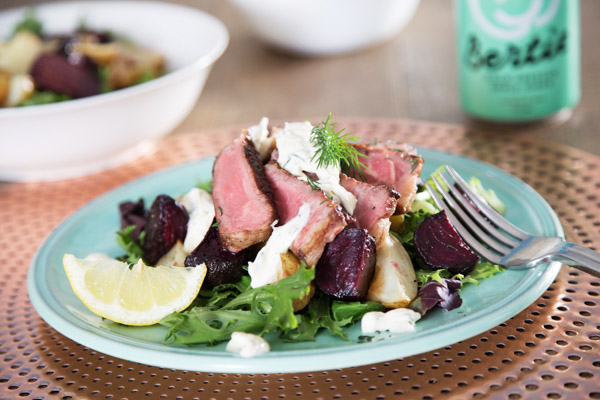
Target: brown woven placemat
550,350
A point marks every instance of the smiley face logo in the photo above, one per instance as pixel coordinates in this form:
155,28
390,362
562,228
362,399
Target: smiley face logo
505,25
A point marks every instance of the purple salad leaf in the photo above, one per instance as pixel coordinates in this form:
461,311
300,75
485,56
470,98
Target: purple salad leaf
443,294
133,214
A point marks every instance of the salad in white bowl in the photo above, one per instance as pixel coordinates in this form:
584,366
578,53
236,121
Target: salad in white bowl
98,128
41,68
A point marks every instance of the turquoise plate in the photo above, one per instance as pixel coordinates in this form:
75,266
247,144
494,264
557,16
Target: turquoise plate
91,229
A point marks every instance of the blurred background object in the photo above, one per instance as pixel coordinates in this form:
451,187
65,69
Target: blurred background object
320,28
411,76
518,61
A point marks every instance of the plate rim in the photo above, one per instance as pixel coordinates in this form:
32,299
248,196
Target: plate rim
295,360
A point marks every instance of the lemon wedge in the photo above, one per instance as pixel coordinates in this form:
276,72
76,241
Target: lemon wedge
141,295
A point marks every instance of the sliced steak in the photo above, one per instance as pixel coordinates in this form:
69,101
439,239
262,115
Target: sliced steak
374,207
395,165
242,196
327,218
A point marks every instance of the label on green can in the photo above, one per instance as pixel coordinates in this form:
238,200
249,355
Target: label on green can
518,59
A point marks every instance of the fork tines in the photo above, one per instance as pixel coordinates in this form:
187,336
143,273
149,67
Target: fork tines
480,226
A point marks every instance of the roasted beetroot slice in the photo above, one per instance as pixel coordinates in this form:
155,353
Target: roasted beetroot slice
347,265
166,224
54,72
440,246
222,265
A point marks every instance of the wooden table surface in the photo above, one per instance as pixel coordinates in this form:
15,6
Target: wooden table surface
412,76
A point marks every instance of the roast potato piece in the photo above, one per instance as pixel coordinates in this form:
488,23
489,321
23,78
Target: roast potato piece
125,65
18,54
395,283
132,67
175,257
290,264
100,53
4,86
15,89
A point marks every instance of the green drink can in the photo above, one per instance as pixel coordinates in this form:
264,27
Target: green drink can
518,60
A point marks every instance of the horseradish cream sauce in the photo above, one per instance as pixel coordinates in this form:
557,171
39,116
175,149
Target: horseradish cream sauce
295,156
259,135
200,207
247,344
398,320
267,267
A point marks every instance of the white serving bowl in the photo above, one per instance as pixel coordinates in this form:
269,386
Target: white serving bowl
78,137
326,27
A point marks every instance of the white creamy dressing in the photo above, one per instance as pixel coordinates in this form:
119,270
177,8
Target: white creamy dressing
200,207
295,156
247,344
259,135
398,320
267,268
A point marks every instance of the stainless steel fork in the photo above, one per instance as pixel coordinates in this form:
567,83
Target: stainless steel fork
495,238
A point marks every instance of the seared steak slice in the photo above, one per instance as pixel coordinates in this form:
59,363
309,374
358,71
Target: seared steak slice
374,207
242,196
326,217
395,165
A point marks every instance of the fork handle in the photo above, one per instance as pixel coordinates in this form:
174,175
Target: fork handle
580,257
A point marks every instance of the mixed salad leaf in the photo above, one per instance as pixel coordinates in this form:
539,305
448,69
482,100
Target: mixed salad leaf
29,23
133,249
43,97
239,307
442,293
228,308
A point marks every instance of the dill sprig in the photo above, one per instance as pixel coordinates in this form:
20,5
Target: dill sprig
334,147
313,184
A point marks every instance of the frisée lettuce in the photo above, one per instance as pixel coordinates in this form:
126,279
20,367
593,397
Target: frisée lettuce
229,308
